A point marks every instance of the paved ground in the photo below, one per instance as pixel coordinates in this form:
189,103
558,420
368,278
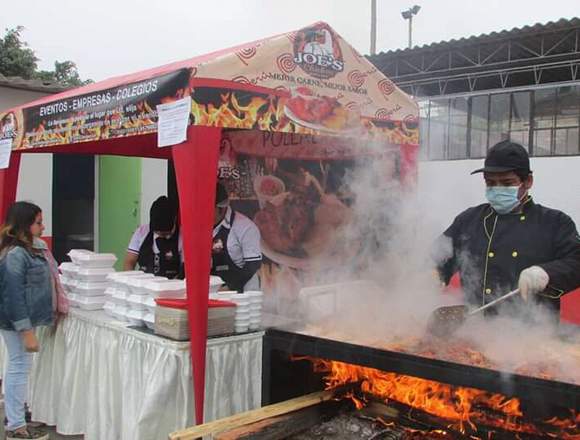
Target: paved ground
53,434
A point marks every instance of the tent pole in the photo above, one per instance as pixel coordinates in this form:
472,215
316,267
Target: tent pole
8,184
196,171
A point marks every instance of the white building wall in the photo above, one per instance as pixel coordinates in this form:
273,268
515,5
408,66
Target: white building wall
446,188
153,184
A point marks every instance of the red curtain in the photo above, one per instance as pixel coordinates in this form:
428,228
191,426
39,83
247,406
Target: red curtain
196,173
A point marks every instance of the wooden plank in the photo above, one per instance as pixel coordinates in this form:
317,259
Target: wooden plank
275,428
237,420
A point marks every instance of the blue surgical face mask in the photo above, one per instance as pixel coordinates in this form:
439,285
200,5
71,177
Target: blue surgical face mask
503,199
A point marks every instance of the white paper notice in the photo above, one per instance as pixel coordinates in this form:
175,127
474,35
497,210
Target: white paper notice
5,150
172,122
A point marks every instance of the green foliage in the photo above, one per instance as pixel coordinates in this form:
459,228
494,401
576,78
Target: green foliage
17,59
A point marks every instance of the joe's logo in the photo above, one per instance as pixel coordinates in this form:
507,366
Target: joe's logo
317,52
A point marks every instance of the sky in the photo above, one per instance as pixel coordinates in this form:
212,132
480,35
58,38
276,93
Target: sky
112,37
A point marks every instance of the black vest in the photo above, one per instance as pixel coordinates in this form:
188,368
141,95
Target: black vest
167,263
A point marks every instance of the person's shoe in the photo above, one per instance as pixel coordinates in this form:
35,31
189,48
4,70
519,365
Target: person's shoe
26,433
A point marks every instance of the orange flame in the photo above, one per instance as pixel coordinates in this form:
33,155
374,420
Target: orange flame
459,405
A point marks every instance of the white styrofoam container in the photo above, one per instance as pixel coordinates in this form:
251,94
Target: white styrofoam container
69,269
120,312
75,254
215,283
91,289
149,320
242,327
108,307
165,289
93,260
135,317
125,273
119,297
91,302
256,296
65,283
94,275
110,291
149,303
242,316
135,302
72,299
136,283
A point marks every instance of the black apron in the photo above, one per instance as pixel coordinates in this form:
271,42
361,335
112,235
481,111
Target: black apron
167,263
221,262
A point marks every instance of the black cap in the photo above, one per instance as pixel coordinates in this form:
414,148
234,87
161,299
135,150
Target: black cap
162,215
221,195
506,156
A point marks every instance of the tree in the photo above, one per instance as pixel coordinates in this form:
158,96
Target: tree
17,59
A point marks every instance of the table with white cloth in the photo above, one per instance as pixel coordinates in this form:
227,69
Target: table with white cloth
98,377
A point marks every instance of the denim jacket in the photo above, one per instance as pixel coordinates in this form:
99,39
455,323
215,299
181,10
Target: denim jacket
25,289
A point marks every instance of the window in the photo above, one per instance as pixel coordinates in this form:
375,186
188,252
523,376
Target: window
438,128
458,129
479,113
566,140
520,119
499,118
544,112
423,128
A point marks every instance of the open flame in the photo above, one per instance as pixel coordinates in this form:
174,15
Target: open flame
460,406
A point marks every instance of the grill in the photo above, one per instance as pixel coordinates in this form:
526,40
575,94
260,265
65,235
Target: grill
537,392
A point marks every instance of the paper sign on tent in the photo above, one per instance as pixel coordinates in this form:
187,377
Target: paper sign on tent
5,150
172,122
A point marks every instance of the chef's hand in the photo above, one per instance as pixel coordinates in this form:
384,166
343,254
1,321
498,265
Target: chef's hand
29,341
533,280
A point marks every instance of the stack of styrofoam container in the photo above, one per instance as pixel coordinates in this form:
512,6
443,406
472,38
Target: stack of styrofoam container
122,292
256,299
242,318
91,273
113,278
68,280
136,299
154,289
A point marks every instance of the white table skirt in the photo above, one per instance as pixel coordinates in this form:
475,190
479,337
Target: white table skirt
99,378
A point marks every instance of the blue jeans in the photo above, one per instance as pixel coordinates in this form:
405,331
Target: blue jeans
15,379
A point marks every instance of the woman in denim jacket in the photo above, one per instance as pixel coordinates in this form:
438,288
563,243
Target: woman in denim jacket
28,298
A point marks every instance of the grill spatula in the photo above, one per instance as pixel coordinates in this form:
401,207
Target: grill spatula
447,319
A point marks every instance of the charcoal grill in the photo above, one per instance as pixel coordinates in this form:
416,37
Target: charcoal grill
536,391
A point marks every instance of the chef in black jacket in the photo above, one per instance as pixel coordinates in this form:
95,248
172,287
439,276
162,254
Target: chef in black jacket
511,242
157,247
236,254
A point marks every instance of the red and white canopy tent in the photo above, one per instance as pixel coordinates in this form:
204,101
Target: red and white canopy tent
308,83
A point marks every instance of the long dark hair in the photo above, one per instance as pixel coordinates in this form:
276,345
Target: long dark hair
16,228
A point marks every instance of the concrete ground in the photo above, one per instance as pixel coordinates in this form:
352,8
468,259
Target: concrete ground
51,430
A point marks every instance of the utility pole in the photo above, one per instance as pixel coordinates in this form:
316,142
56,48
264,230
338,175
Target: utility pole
373,27
408,15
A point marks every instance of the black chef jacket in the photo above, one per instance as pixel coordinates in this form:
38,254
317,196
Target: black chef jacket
490,251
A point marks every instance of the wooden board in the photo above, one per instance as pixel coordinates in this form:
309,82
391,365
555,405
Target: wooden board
249,417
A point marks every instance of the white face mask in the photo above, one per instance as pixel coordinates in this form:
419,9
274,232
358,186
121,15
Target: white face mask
503,199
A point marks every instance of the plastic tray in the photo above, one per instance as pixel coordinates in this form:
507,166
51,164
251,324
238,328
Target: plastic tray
84,288
165,289
98,275
91,302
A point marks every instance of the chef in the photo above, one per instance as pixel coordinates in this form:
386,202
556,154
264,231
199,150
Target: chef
511,242
157,247
236,255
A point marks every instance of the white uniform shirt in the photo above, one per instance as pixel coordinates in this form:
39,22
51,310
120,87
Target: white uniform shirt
139,237
243,240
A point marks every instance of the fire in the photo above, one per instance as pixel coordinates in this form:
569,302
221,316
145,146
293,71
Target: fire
460,406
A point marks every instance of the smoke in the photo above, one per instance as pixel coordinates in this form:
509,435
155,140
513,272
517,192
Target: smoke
381,287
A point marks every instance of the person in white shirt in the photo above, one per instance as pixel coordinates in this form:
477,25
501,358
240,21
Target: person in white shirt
157,247
236,254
